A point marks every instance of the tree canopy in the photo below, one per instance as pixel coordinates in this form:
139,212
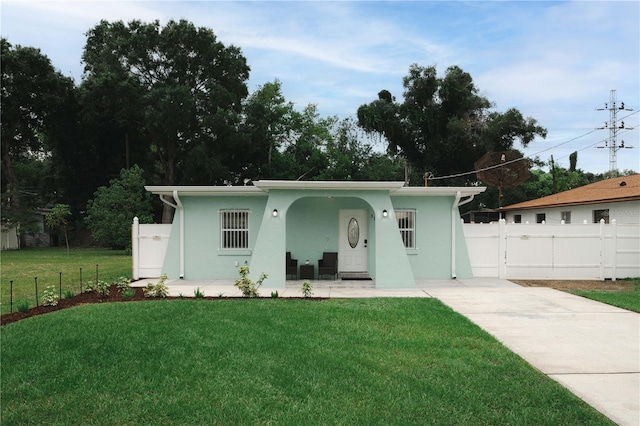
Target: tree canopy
173,100
186,84
34,98
444,125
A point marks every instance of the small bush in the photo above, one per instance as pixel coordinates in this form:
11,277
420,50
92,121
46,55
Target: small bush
274,294
89,286
49,296
128,294
248,287
158,289
198,294
102,288
68,294
123,284
22,306
306,289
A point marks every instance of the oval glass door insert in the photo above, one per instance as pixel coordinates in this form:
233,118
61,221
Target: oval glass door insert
353,232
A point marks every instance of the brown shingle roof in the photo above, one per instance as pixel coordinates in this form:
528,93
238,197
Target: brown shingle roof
624,188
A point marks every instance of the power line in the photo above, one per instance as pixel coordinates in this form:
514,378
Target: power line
542,151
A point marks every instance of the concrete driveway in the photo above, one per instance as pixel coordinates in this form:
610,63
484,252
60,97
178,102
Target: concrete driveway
591,348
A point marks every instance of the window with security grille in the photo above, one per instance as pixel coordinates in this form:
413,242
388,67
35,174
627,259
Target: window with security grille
234,229
407,225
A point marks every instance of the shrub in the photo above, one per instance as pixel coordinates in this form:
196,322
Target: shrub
246,285
22,306
89,286
306,289
102,288
158,289
49,296
113,207
68,294
128,294
123,284
198,294
274,294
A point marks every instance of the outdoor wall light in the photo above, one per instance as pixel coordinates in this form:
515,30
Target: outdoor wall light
385,213
275,212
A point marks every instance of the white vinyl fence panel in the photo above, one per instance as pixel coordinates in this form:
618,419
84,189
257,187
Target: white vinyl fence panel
149,246
543,251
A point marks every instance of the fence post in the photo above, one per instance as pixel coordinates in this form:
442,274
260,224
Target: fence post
502,249
96,274
60,288
80,280
135,237
602,249
11,297
614,248
36,280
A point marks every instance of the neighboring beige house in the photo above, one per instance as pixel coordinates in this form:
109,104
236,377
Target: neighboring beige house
616,198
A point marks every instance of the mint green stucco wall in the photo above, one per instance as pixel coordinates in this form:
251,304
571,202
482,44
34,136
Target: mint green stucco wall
431,258
203,258
307,224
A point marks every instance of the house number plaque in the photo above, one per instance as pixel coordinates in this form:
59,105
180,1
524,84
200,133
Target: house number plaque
353,232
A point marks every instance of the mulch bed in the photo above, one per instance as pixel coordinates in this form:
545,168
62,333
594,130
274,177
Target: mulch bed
93,297
77,300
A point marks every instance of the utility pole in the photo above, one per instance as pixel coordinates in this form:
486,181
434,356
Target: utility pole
614,127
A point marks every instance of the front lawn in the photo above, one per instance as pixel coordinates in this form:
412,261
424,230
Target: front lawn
629,300
272,361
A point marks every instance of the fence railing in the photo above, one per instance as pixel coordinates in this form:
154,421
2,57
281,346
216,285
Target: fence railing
545,251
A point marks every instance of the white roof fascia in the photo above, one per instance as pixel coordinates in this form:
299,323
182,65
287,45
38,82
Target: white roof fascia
262,188
328,185
191,191
426,191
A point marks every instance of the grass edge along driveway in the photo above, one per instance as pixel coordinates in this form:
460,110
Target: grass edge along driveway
272,361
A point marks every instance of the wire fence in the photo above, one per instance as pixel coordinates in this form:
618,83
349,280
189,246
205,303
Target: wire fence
60,286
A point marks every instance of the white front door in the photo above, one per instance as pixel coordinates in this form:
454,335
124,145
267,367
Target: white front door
353,254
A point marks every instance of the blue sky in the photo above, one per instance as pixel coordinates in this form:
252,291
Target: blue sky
555,61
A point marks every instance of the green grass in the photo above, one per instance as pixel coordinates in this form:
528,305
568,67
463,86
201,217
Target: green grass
272,361
22,266
629,300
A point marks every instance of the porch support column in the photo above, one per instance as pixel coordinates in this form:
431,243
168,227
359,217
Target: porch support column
269,253
392,267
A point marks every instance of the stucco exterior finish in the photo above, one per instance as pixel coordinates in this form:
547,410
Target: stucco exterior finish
307,224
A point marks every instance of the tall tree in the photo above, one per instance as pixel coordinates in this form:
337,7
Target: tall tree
191,86
58,217
443,124
35,108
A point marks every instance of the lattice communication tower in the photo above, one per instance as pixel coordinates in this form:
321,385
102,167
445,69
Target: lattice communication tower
614,128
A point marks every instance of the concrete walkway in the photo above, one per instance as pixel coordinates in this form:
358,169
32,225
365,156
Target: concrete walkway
591,348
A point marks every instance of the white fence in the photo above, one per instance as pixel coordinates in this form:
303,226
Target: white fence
148,245
543,251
